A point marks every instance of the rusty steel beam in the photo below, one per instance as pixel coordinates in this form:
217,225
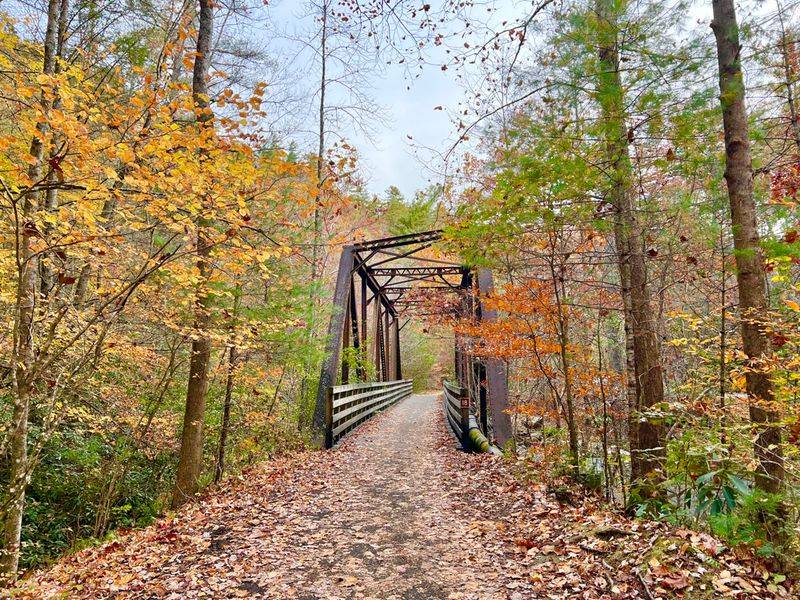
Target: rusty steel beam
391,282
412,271
393,256
376,288
408,288
399,240
333,345
496,370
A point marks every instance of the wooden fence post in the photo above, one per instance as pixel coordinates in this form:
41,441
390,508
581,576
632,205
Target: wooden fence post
329,419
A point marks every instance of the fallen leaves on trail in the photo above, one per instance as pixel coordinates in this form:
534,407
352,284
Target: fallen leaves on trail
397,511
579,550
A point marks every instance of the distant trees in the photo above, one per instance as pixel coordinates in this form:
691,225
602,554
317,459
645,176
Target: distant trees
410,216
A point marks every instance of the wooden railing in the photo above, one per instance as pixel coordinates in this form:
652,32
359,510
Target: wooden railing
457,415
350,405
462,421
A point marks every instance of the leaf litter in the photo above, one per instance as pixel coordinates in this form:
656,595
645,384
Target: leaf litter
398,511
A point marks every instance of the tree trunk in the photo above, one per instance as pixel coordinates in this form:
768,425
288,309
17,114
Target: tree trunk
563,341
750,273
46,272
315,270
23,351
233,357
190,464
648,450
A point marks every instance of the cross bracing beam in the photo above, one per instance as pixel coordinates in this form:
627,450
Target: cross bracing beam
393,256
406,281
399,240
416,271
408,288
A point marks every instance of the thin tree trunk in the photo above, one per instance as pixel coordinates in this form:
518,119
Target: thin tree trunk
563,340
233,358
46,273
606,465
190,464
794,123
23,350
723,338
750,273
320,152
631,380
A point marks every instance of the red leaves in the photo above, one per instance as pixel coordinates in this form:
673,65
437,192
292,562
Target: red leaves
30,229
676,582
779,340
785,183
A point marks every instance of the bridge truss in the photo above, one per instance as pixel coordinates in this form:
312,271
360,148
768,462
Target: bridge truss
377,292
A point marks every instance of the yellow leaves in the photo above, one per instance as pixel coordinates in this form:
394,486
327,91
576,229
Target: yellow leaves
125,154
26,91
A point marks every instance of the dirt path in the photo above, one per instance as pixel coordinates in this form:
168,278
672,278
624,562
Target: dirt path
396,512
376,523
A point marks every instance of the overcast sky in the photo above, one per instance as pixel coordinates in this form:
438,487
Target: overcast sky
402,152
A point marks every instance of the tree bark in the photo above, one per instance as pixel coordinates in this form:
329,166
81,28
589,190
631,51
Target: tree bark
190,464
647,452
317,225
23,349
750,273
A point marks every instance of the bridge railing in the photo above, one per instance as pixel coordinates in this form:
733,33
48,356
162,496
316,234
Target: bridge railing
350,405
461,420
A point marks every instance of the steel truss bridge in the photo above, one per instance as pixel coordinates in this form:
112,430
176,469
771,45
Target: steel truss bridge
381,285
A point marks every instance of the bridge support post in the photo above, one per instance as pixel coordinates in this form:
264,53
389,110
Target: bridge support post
333,345
398,365
496,371
482,404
